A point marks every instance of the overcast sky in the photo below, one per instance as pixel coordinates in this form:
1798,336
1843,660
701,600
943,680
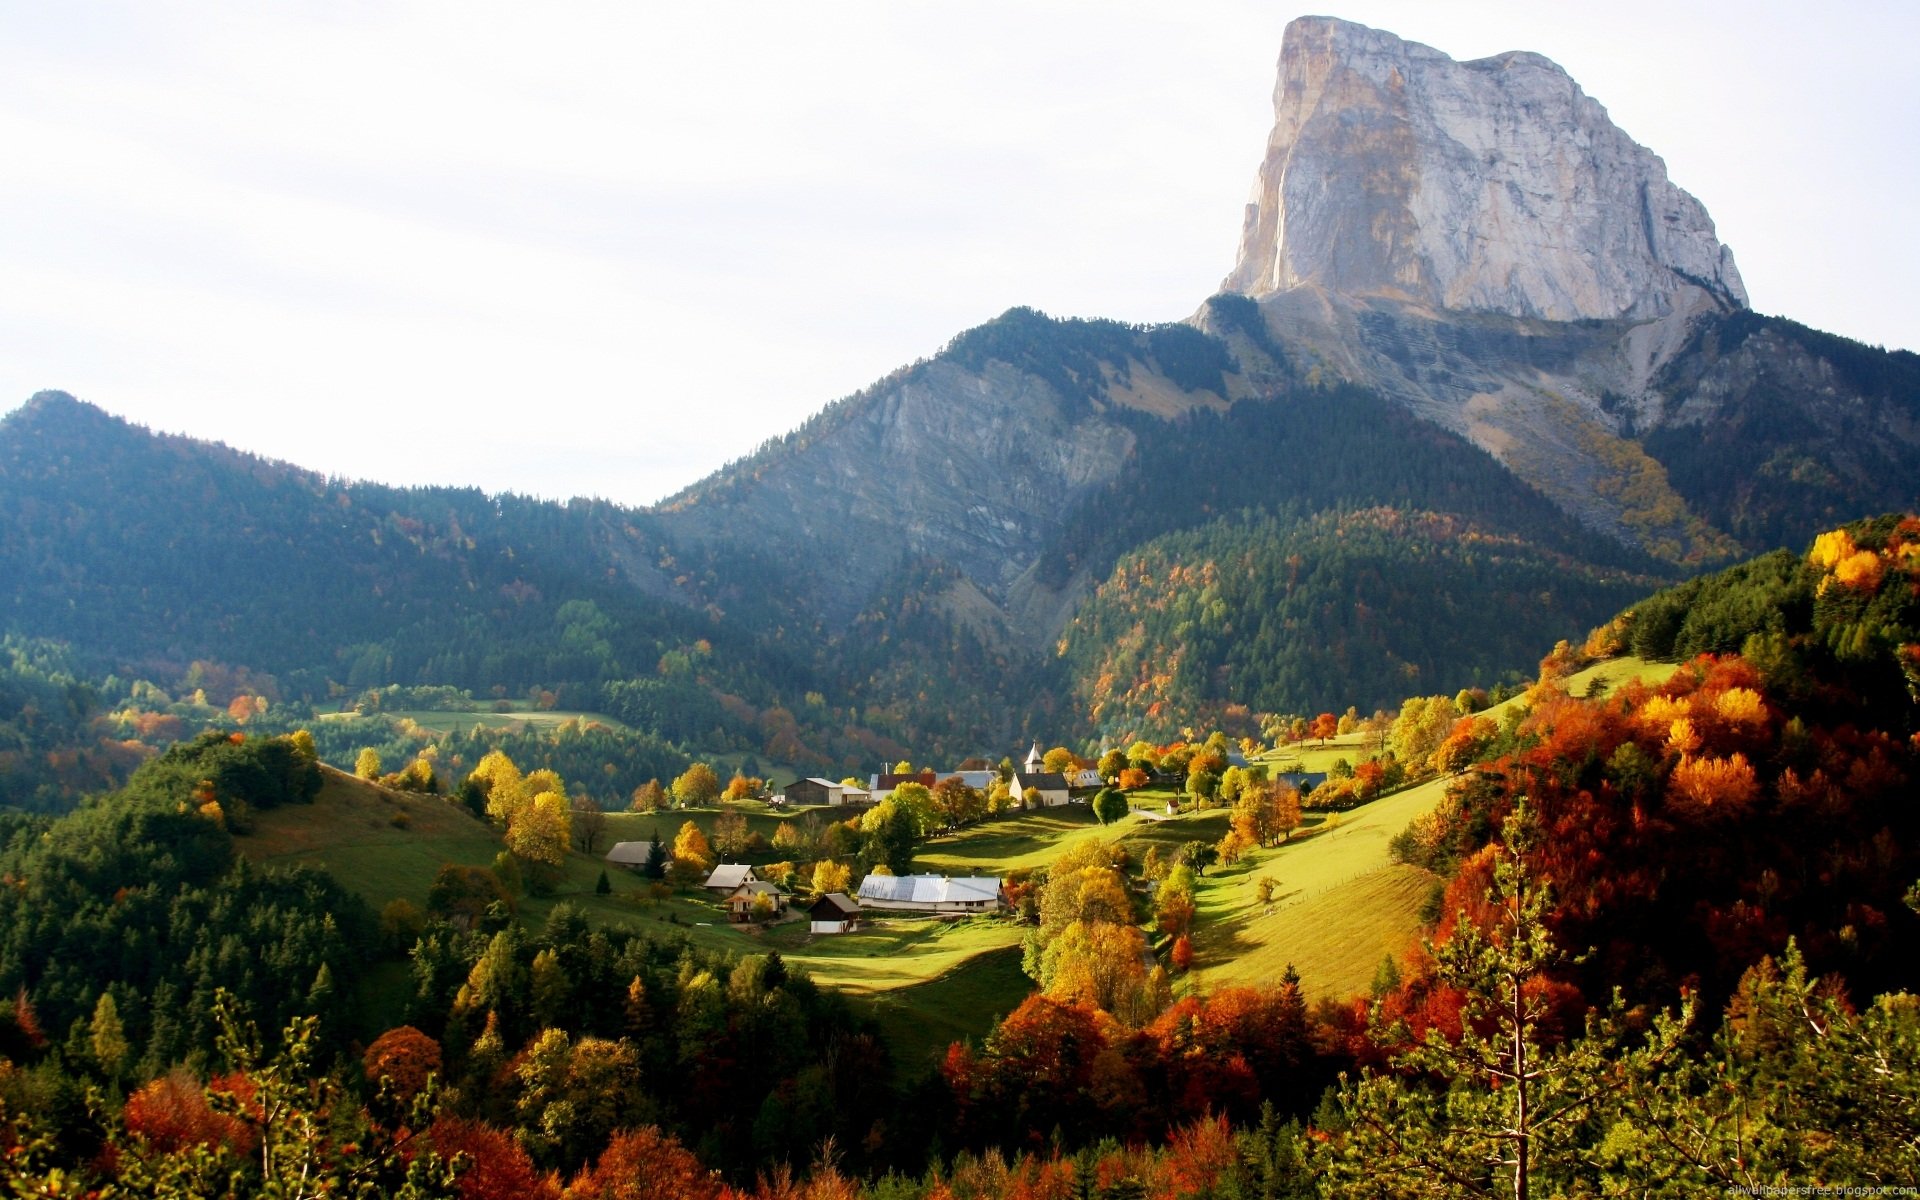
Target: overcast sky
600,249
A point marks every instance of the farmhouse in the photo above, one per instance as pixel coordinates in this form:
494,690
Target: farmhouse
979,781
882,785
1040,788
632,855
728,876
834,913
814,790
932,893
853,794
740,900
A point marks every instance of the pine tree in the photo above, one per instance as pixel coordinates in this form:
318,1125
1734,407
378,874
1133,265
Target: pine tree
1510,1116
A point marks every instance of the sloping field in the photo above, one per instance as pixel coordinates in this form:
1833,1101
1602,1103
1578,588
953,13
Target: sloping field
886,954
1339,906
381,844
1003,844
1335,939
922,1020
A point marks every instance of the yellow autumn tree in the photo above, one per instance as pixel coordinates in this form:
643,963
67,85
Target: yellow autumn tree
696,785
541,831
496,775
1105,965
1832,548
1087,947
1740,706
690,846
1682,736
830,876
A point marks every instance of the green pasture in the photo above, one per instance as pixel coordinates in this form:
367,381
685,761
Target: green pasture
1335,939
1338,863
381,845
964,1002
1310,755
1019,841
442,720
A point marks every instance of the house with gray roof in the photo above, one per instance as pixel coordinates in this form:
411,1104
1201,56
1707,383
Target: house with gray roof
740,900
728,876
1040,789
631,855
932,893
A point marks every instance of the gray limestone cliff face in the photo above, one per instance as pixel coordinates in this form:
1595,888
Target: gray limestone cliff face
1496,185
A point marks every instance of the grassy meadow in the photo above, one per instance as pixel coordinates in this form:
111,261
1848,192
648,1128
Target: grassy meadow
1341,904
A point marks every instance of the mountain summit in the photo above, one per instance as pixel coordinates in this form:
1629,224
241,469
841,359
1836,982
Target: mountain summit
1494,185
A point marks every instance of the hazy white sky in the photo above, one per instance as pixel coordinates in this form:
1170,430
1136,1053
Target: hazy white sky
599,249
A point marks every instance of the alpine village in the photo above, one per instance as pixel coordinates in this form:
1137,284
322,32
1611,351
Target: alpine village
1494,773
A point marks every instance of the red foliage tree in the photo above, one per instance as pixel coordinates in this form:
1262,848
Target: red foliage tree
171,1113
1325,726
500,1167
406,1057
1182,954
644,1164
1198,1158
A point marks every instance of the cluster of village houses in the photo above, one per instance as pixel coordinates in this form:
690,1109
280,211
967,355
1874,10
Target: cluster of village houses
736,886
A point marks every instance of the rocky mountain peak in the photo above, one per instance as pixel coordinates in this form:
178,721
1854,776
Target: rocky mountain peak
1495,185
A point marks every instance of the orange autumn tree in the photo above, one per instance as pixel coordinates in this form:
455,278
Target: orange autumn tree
498,1166
404,1059
644,1164
171,1114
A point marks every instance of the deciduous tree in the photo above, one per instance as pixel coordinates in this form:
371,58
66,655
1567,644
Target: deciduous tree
690,846
830,876
589,823
697,785
648,797
542,831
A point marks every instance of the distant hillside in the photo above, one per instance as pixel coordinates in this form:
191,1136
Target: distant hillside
155,551
1282,615
199,567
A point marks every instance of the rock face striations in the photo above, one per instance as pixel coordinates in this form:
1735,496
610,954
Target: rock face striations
1495,185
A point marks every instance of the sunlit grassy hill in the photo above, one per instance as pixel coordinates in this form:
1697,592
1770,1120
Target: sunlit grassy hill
1340,906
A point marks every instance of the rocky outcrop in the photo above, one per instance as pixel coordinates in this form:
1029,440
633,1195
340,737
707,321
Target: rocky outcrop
1496,185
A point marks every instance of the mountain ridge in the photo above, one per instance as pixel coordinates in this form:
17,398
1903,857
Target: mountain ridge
947,524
